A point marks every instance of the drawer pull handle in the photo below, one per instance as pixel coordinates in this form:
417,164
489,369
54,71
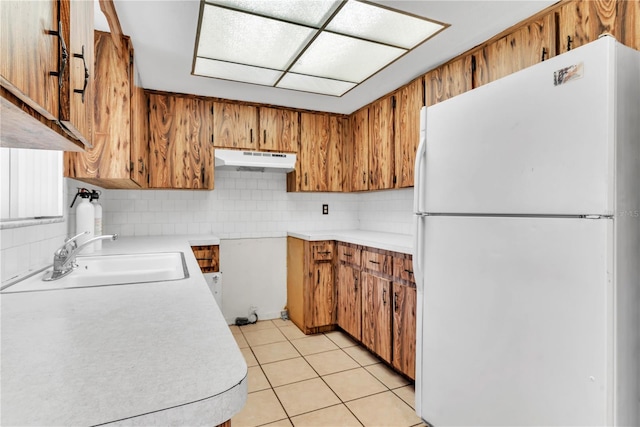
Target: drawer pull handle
395,302
374,262
348,255
408,271
384,297
325,252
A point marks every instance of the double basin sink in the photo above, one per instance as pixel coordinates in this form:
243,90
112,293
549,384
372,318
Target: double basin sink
107,270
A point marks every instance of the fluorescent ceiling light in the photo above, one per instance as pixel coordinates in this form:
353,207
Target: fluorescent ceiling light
320,46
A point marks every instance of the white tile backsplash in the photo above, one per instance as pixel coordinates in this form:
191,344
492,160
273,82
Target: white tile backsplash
243,205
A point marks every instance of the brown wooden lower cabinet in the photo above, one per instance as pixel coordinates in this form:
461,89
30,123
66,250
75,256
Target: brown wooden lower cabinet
208,257
311,294
376,315
404,329
349,300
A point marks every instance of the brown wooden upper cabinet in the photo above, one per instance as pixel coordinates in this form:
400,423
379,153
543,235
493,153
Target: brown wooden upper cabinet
580,22
119,155
448,80
47,61
30,53
529,45
180,149
381,144
76,87
279,130
356,152
409,101
235,126
320,155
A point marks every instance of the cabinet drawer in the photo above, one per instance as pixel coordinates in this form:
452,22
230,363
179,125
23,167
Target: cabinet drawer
322,251
403,268
349,255
374,261
207,257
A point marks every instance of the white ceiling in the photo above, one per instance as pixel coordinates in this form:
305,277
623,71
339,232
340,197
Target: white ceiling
163,34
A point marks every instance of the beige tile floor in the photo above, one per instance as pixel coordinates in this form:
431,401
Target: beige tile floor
318,380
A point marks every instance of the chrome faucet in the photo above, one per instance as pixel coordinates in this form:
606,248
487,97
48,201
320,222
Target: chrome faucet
64,258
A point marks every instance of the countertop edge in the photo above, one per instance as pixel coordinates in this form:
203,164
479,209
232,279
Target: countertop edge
401,243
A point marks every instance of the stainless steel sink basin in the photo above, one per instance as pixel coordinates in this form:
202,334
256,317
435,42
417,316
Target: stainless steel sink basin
106,270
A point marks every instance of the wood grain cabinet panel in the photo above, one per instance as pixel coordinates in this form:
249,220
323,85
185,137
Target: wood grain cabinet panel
356,152
409,101
181,154
30,53
311,293
235,126
376,315
448,80
279,130
524,47
208,257
76,80
320,153
349,311
109,163
140,137
580,22
404,329
381,144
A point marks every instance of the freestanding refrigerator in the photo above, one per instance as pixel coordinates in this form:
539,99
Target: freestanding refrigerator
527,252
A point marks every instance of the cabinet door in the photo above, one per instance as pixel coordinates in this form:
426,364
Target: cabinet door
180,149
76,80
235,126
581,22
321,300
30,53
524,47
140,137
376,315
356,153
279,130
349,300
109,162
448,80
381,147
404,329
409,100
320,155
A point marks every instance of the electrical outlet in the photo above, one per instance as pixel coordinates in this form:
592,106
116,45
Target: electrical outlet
325,209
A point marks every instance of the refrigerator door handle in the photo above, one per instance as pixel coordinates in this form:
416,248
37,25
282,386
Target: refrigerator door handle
418,175
418,245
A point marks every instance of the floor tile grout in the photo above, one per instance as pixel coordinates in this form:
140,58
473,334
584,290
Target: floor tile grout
318,375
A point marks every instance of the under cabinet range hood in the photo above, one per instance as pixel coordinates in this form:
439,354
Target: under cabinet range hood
254,161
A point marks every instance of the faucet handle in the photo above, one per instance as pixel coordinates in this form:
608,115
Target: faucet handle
74,238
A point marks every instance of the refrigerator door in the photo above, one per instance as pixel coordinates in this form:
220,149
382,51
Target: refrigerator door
516,321
522,145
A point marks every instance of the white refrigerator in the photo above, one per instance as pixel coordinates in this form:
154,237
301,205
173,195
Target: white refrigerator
527,251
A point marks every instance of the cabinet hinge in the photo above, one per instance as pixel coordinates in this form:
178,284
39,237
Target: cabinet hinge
395,179
393,102
473,63
212,109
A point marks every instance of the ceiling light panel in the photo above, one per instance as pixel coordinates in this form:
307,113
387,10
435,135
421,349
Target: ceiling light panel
382,25
344,58
230,71
244,38
315,84
307,12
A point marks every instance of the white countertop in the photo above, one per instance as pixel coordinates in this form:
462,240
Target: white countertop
402,243
157,353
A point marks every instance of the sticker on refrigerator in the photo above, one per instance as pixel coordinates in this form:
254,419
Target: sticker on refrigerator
567,74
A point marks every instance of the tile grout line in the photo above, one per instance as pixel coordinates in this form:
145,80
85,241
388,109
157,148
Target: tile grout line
341,401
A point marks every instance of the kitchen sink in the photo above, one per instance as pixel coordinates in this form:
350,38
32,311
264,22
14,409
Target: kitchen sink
106,270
